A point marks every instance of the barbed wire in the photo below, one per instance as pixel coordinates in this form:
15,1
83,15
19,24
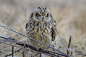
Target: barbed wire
12,39
62,40
30,38
25,46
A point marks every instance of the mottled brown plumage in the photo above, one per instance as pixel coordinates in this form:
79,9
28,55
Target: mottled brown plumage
42,27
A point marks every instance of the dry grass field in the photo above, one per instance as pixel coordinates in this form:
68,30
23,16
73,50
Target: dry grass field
69,14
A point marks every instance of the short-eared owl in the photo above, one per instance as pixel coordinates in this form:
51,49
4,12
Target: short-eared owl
42,27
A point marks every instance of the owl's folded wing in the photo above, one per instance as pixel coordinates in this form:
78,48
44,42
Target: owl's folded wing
53,30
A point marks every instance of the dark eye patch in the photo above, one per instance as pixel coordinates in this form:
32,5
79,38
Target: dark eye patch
37,14
47,15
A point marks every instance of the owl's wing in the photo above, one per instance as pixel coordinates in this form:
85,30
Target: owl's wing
26,25
53,29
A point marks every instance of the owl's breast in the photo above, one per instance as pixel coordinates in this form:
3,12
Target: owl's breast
41,33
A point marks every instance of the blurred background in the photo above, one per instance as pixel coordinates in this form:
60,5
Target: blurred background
69,14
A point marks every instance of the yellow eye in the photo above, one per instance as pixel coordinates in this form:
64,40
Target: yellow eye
37,14
46,15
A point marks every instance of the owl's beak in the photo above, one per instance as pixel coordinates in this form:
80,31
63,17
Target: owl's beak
42,19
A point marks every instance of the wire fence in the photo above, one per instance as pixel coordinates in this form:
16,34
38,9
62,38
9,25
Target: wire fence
15,43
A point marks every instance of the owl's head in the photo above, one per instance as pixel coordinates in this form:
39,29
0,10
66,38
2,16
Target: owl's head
41,14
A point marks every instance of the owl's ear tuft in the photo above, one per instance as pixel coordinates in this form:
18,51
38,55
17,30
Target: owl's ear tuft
39,7
45,8
31,15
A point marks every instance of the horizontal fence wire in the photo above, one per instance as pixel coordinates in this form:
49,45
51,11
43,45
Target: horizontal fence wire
22,45
23,48
31,38
44,51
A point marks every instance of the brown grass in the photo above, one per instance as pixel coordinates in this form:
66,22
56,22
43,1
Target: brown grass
70,17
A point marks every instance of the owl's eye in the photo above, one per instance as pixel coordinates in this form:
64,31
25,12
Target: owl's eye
37,14
46,15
